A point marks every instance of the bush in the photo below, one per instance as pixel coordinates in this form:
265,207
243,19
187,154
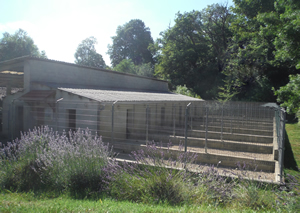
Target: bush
289,96
151,179
44,160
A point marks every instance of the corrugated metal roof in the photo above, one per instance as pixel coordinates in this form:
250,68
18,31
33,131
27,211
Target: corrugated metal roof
115,95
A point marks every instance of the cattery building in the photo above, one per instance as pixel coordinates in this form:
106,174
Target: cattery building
67,96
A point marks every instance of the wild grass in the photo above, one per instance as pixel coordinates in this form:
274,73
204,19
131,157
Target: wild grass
45,167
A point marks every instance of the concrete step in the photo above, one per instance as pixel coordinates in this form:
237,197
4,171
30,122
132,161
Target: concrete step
231,136
213,135
234,119
234,125
261,176
227,159
238,130
224,145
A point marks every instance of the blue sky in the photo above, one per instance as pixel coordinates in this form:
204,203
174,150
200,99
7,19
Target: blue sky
58,26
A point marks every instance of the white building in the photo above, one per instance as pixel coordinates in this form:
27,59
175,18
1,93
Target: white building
68,96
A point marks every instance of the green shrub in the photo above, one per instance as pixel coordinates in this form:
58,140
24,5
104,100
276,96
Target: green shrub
44,160
151,180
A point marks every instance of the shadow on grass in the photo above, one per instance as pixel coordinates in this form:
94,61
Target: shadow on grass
289,159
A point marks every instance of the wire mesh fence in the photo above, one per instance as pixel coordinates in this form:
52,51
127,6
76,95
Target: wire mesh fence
229,132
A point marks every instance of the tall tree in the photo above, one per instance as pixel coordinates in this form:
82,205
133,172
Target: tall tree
253,66
193,52
17,45
86,54
284,24
131,42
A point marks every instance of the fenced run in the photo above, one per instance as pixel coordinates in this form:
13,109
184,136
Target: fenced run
220,132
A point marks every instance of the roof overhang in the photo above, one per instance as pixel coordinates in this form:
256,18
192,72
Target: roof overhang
37,95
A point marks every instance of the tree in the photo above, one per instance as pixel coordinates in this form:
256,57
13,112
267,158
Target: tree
254,65
131,42
86,54
289,95
17,45
194,51
284,24
127,66
183,90
145,70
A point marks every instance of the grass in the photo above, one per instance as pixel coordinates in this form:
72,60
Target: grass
27,202
292,149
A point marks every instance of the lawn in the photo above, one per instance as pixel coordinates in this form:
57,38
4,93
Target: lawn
292,149
27,202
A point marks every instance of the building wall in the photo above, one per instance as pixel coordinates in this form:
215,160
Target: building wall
130,120
63,75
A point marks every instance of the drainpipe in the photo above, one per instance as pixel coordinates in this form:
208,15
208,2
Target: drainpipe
186,119
222,123
13,119
174,119
112,122
57,102
147,123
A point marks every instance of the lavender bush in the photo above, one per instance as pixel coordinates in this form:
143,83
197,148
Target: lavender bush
18,160
152,177
214,188
73,163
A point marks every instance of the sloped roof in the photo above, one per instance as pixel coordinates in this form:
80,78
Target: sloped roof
127,96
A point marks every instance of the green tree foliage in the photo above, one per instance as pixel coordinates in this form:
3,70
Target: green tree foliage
194,50
289,95
131,42
253,63
86,54
17,45
284,23
127,66
146,70
183,90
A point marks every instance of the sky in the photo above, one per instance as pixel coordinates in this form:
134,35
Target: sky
59,26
